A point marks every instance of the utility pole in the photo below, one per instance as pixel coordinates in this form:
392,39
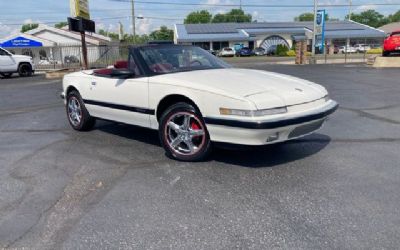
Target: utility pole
350,9
314,30
133,20
240,4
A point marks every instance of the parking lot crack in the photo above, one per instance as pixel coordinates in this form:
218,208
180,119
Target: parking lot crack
371,116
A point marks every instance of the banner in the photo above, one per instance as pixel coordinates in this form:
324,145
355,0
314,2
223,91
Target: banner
320,30
21,42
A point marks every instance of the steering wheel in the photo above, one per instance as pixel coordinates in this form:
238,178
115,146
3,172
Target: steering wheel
192,63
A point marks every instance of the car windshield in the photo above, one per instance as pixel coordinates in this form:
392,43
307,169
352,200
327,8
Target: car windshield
171,59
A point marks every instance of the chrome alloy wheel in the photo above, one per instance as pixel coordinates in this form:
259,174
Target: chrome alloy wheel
185,133
74,111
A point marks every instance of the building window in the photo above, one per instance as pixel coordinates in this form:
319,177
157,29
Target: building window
42,54
27,52
271,43
220,45
203,45
251,44
217,46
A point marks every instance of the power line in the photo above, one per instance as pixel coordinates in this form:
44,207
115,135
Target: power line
261,5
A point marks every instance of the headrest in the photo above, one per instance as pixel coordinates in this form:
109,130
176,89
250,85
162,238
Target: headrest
121,65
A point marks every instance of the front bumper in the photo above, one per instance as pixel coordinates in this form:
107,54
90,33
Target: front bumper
269,131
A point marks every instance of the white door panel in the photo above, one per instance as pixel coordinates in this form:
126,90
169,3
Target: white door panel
124,100
7,63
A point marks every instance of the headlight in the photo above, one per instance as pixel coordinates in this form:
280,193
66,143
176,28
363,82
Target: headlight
253,113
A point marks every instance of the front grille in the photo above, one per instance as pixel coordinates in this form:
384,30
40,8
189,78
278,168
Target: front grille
306,129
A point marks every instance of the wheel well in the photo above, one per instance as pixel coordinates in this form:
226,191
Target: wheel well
170,100
69,89
24,63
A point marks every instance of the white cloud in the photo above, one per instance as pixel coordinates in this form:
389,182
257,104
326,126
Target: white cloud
144,26
7,30
366,7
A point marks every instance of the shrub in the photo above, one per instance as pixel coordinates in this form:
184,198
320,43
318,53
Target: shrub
375,51
291,53
281,50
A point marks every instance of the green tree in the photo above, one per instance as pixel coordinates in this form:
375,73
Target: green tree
29,26
219,18
202,16
371,18
233,16
112,35
60,25
163,34
394,17
308,16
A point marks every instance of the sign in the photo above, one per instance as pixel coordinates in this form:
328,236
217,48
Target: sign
21,42
80,8
320,31
81,25
320,22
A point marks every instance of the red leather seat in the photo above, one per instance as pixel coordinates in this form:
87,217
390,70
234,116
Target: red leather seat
121,65
103,71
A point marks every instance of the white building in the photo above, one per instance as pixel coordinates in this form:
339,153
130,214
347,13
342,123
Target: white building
49,45
214,36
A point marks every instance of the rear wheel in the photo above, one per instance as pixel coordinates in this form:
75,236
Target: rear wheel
385,53
77,114
183,133
25,70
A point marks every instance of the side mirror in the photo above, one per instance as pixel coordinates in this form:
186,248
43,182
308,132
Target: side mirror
122,73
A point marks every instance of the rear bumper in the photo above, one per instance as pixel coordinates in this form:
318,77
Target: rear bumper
268,131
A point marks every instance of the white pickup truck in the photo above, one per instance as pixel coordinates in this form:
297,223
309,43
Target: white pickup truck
9,64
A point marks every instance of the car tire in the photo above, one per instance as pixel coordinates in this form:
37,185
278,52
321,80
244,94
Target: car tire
77,114
183,133
385,53
25,70
6,75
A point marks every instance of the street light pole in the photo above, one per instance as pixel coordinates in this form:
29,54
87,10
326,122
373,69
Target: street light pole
133,20
350,9
314,30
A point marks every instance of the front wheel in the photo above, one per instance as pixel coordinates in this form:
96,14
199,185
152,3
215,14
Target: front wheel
183,133
25,70
78,116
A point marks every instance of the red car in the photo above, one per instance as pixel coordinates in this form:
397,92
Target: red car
392,44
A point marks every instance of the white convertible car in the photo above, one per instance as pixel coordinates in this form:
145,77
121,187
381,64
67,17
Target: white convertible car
193,99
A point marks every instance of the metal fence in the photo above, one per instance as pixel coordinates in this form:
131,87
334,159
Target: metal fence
70,56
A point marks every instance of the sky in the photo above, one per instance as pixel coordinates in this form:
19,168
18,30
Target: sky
107,13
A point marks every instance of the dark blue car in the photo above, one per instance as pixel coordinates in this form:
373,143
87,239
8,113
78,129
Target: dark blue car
245,51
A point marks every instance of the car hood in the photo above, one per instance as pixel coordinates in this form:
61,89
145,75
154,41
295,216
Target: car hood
261,87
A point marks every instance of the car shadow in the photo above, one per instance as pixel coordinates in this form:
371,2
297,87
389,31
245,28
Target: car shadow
272,155
245,156
130,132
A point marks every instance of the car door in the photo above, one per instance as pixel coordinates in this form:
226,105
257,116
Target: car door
123,100
6,61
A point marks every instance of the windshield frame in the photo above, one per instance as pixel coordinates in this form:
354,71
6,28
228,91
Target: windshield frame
145,69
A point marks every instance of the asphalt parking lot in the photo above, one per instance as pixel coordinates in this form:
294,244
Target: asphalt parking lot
114,188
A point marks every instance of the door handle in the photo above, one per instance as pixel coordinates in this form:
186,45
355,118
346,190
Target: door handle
94,83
